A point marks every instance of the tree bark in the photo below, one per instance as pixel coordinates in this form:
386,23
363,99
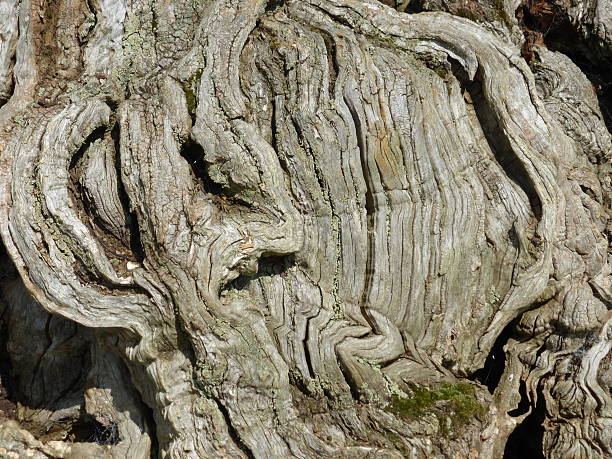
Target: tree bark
314,228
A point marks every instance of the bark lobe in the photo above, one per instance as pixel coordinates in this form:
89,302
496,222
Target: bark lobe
273,223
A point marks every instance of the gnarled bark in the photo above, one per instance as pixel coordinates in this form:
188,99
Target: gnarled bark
278,224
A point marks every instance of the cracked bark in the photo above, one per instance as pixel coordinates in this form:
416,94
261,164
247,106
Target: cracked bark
255,229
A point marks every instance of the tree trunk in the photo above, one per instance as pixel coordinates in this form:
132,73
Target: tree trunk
305,228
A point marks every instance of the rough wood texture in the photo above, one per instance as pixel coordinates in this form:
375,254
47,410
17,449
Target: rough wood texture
314,228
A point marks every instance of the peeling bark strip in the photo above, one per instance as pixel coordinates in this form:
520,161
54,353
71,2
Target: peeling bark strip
314,228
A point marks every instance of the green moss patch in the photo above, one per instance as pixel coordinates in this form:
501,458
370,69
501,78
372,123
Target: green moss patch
190,88
454,405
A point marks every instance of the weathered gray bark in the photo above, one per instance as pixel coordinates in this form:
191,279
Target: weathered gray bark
266,228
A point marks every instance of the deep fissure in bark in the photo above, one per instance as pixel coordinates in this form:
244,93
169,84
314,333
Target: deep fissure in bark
115,247
96,135
7,92
273,5
24,385
88,429
232,432
497,140
194,155
225,197
524,404
495,364
268,266
527,438
332,61
150,421
546,23
134,242
7,399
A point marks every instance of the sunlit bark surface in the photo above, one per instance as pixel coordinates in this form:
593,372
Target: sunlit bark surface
305,228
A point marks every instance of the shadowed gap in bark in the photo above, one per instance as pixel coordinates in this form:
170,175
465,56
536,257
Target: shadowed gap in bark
132,221
268,266
527,438
193,153
332,62
5,98
273,5
114,247
76,385
7,402
598,73
307,357
545,23
150,417
414,7
496,138
97,134
523,406
7,386
493,369
25,385
232,432
91,431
